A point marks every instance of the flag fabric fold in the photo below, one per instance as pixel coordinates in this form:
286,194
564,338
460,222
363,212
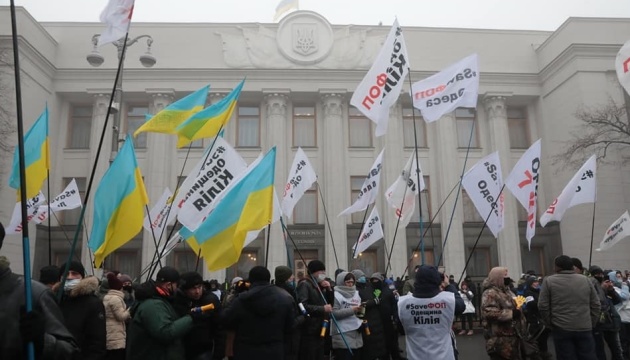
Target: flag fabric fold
404,190
581,189
162,214
119,204
369,189
36,158
247,206
117,16
32,205
209,121
372,232
285,6
68,199
169,118
381,86
301,178
622,66
617,231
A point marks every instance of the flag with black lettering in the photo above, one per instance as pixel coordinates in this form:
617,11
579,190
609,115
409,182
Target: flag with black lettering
301,178
523,183
15,225
382,85
369,189
581,189
456,86
401,195
68,199
483,184
619,230
162,214
372,232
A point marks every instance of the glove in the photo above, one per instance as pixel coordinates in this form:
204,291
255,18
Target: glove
200,317
32,327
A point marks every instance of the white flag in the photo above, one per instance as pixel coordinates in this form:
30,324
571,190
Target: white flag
222,167
117,17
277,212
456,86
622,65
483,183
619,230
380,88
162,214
371,233
301,178
404,190
369,189
523,183
581,189
15,226
69,199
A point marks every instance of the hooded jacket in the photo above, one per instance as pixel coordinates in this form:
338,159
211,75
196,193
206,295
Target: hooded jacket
84,313
623,308
116,314
262,319
497,312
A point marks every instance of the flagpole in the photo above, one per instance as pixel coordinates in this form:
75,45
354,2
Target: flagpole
590,256
332,241
88,249
267,245
49,230
450,222
290,261
26,252
360,230
155,242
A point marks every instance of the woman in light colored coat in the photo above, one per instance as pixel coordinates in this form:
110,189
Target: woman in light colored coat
116,314
347,326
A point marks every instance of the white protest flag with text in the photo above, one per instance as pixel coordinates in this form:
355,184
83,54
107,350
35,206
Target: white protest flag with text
619,230
369,189
69,199
456,86
523,183
15,225
117,17
162,214
401,195
372,232
622,65
483,184
382,85
301,178
581,189
221,167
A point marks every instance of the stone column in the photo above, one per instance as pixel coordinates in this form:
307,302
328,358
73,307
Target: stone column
508,243
334,178
276,104
449,172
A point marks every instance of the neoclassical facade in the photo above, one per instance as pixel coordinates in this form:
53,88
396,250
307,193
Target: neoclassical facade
300,74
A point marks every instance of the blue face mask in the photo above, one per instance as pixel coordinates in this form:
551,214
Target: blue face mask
362,280
290,284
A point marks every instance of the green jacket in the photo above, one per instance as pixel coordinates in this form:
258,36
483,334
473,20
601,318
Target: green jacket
156,331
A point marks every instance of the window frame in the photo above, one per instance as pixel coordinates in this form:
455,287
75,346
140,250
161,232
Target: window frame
238,125
136,139
422,140
458,119
72,122
359,116
524,126
302,117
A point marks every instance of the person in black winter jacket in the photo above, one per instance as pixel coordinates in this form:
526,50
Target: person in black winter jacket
374,345
388,309
262,318
534,322
199,341
285,280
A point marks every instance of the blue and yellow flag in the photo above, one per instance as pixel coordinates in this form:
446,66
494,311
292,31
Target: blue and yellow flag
247,206
119,204
207,122
285,6
167,120
36,158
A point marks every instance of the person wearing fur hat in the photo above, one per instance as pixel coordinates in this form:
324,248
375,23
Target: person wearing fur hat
84,311
427,315
314,292
43,326
199,342
116,315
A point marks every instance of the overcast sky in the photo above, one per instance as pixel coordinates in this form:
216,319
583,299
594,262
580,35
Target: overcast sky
491,14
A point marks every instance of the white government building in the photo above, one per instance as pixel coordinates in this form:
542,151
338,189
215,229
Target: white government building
300,74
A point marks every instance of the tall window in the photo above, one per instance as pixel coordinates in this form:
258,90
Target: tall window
304,126
517,125
470,211
465,119
135,119
305,211
480,262
248,126
360,129
71,217
80,127
408,134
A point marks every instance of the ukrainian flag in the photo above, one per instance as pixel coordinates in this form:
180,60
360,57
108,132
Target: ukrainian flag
247,206
207,122
36,158
171,116
285,6
119,204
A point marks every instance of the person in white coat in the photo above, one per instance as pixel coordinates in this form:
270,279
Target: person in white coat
469,313
346,329
116,315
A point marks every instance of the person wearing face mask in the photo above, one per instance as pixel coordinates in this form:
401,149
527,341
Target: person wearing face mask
314,292
374,345
156,330
285,280
127,289
116,315
84,311
388,312
621,288
607,328
536,328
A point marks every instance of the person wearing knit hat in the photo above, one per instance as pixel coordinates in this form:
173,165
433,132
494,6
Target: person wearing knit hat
285,280
315,293
284,277
49,275
114,282
189,280
75,270
426,332
127,288
315,266
116,314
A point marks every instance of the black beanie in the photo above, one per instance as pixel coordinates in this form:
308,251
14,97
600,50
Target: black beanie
428,280
563,262
74,266
259,274
167,274
315,266
282,274
114,282
595,270
49,275
189,280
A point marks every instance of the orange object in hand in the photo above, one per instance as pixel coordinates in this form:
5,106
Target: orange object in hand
204,308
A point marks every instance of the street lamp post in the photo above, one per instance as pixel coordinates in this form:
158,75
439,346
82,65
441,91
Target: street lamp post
96,59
